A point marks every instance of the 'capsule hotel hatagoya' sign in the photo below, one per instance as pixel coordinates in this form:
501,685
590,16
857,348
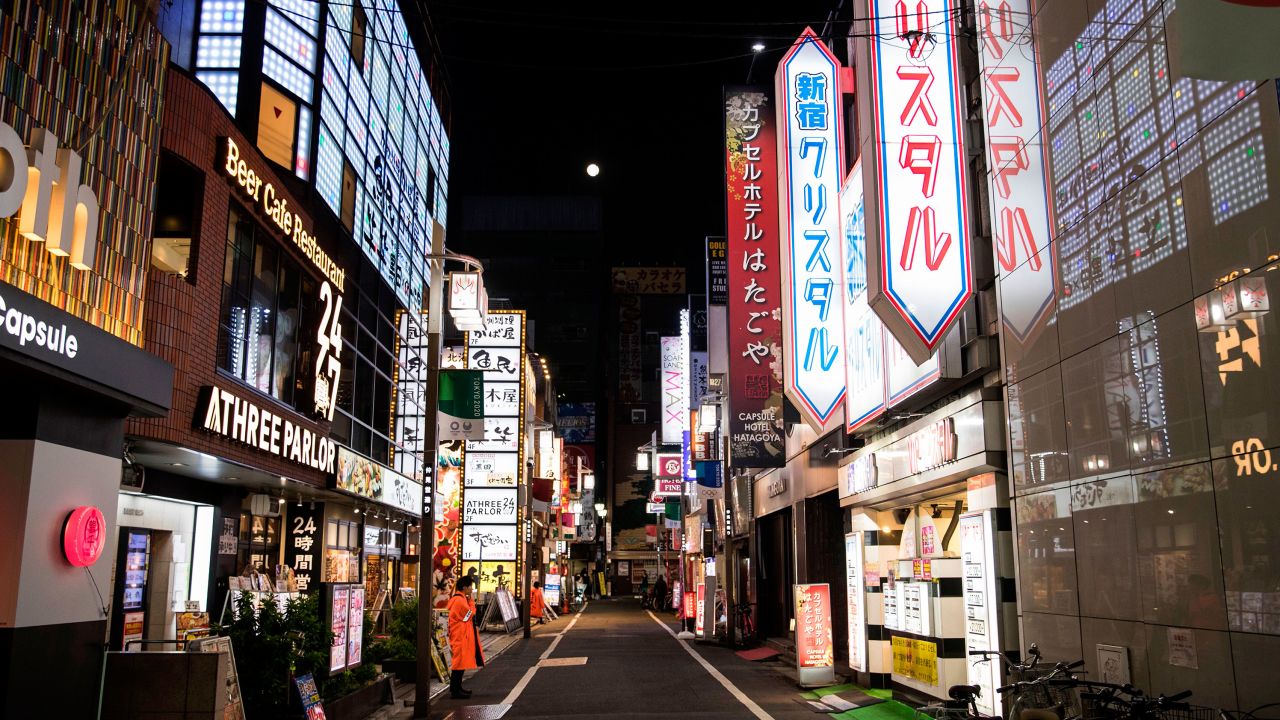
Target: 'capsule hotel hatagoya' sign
1021,217
878,374
811,148
920,268
755,295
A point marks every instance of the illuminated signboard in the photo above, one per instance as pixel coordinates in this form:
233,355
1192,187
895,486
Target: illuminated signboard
878,373
675,390
84,535
328,363
382,157
920,269
494,466
361,476
811,148
755,296
1017,176
231,416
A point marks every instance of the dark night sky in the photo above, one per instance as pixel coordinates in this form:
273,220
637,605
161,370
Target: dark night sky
540,92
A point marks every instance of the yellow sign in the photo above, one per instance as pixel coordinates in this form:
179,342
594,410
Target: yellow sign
277,208
916,659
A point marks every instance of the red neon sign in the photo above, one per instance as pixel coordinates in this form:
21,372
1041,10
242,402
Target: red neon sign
84,535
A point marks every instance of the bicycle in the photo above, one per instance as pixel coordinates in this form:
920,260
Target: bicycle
746,623
1250,714
1034,699
1107,701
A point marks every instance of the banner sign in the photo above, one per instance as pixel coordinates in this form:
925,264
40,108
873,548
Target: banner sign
717,271
462,404
755,294
495,464
920,269
1017,166
815,648
878,373
811,148
675,389
361,476
304,543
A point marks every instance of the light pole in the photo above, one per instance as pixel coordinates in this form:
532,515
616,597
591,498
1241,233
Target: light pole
431,450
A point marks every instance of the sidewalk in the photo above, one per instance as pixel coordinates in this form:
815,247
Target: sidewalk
494,645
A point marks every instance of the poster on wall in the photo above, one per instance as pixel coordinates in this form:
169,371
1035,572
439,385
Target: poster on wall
339,621
916,659
982,622
857,611
754,277
355,626
815,646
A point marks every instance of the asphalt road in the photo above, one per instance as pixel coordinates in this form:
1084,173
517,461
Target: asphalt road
615,660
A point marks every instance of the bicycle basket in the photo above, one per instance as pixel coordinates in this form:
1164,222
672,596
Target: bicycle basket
1048,695
1190,712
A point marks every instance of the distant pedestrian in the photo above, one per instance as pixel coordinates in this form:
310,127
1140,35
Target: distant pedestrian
537,607
644,585
464,642
660,593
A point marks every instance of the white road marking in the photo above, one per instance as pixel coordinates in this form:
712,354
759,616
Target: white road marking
512,696
733,689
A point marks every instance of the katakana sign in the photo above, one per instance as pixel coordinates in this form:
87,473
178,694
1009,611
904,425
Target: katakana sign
754,416
920,269
811,148
1017,176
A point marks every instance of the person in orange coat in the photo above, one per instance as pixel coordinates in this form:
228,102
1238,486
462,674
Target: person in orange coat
464,643
537,606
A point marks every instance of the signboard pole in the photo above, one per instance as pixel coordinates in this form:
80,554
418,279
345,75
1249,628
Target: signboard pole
431,447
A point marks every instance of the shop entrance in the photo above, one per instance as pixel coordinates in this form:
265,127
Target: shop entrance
777,571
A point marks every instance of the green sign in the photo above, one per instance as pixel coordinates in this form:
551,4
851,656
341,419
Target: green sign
461,405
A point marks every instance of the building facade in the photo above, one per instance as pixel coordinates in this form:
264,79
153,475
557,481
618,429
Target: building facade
74,248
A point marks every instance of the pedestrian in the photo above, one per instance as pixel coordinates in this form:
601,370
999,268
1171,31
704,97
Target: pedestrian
464,642
660,593
644,585
537,607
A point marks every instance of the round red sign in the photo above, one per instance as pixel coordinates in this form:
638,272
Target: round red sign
84,535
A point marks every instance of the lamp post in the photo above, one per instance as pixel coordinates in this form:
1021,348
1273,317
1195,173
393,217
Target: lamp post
431,450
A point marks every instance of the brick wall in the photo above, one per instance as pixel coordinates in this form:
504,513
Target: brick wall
181,317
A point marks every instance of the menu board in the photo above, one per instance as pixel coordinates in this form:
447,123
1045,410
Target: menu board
856,602
914,607
698,611
339,619
355,626
981,626
891,613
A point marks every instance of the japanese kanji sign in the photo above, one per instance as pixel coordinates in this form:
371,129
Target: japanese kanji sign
1021,217
755,296
811,148
648,280
815,646
493,466
920,269
303,543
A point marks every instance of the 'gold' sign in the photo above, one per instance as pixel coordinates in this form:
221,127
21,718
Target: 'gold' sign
276,207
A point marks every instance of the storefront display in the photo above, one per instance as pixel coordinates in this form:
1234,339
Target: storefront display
815,647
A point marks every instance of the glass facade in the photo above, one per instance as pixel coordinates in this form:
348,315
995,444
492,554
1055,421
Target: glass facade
1142,416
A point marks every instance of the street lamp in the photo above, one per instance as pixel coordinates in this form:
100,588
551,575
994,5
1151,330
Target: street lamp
589,481
431,447
642,461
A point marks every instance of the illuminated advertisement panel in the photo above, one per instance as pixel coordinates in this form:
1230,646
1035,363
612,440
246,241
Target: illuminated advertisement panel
811,147
878,372
675,390
755,294
1017,177
917,210
381,157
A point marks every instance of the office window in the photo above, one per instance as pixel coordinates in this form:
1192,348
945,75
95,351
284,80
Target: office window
359,28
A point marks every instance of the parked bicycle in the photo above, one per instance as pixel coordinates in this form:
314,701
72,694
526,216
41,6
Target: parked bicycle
746,623
1030,697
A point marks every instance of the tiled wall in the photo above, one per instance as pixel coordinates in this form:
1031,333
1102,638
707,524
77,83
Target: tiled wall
1144,448
91,74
